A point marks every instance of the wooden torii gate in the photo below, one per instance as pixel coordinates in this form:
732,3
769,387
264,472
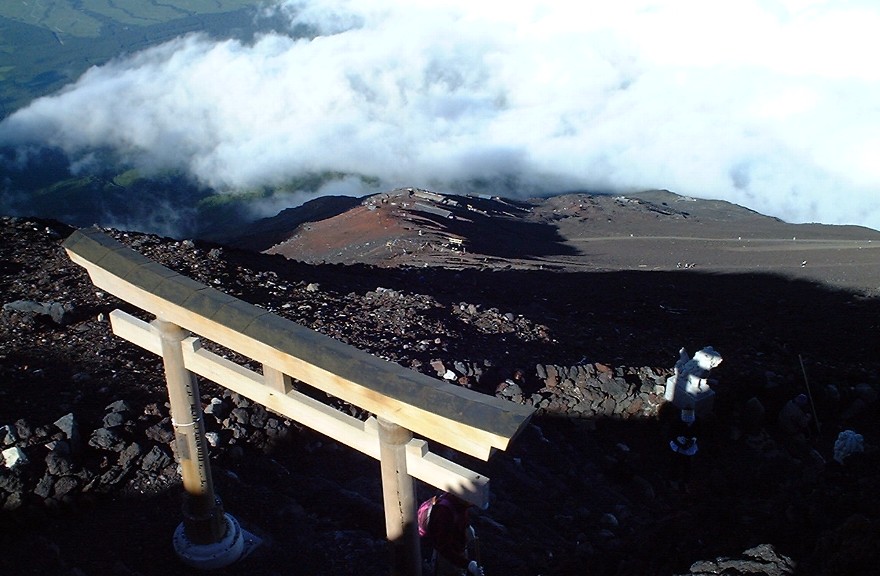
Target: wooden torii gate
404,402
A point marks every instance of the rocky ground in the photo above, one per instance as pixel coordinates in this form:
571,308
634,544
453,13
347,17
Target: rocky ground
580,492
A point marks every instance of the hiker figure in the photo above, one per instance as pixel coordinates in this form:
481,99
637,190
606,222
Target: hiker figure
794,419
444,528
690,386
794,422
683,443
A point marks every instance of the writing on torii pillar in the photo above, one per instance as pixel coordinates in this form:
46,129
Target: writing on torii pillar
689,385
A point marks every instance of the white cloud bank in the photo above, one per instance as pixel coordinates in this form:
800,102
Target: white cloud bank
771,104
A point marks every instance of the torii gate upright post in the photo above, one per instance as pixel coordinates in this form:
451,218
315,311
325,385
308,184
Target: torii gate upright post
207,538
398,494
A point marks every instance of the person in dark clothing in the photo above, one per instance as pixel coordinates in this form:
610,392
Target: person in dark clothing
794,418
444,527
683,443
794,421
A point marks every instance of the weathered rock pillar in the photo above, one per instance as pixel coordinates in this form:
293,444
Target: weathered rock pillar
398,493
207,538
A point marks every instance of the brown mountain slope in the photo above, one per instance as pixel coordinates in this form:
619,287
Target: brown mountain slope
651,231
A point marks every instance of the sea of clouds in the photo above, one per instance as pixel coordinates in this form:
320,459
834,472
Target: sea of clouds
770,104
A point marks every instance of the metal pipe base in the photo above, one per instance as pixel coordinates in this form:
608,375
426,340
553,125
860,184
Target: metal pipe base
226,551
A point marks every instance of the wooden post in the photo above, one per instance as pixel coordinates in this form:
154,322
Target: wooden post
277,380
398,494
203,515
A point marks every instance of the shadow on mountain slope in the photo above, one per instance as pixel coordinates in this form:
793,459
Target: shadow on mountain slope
505,239
758,321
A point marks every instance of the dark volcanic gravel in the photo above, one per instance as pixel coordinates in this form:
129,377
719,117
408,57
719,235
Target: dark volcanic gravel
567,498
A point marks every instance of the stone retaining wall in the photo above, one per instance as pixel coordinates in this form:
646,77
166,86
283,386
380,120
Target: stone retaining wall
580,391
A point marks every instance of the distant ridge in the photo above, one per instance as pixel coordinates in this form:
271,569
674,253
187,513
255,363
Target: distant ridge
654,230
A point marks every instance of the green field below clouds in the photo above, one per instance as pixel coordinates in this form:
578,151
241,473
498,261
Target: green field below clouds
45,44
85,18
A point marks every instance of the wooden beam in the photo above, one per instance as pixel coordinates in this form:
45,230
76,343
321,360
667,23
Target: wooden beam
277,380
360,435
473,423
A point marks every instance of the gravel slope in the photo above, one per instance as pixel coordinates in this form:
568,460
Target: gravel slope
566,500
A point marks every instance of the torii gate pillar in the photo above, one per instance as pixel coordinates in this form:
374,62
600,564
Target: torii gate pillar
398,493
207,538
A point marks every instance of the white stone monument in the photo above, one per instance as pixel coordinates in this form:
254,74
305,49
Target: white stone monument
689,386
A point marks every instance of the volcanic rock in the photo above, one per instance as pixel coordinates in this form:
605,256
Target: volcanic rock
582,296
